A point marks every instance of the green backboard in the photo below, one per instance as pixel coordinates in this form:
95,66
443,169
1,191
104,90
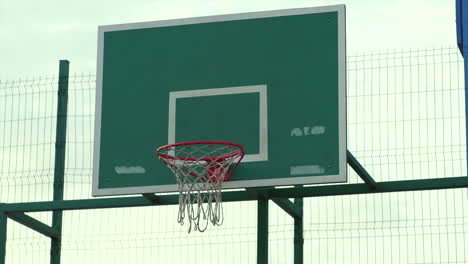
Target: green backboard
272,81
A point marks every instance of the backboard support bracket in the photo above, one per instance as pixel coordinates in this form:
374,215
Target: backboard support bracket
295,210
359,169
259,192
154,199
34,224
289,207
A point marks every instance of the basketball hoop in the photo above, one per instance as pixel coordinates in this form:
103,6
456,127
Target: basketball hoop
200,168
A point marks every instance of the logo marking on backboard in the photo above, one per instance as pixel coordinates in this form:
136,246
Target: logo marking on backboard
305,170
307,131
130,170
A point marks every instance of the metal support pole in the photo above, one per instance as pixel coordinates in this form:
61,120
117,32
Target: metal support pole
59,173
462,34
299,232
262,231
3,236
461,14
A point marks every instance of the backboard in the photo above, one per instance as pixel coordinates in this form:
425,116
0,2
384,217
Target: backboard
273,81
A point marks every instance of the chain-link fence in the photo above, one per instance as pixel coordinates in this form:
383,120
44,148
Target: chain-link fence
406,120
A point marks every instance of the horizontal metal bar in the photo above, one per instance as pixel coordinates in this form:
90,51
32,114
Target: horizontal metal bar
34,224
360,170
288,206
78,204
232,196
382,187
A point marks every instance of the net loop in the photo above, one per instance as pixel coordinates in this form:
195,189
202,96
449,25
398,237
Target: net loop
200,168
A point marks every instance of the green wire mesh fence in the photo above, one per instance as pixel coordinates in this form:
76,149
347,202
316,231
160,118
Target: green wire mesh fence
406,120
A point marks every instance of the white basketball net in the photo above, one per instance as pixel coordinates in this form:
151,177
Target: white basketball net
200,170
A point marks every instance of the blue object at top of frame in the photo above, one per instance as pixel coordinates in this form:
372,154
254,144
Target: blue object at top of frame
462,20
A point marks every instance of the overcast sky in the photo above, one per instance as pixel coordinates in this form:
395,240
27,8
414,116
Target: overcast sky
34,35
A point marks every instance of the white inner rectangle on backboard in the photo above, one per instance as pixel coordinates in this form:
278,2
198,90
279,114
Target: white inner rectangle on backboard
263,118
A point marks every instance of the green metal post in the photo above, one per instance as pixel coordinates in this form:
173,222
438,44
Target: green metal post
61,134
299,232
262,231
3,236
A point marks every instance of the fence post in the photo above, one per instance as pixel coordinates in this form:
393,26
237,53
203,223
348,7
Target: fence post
60,139
3,236
262,231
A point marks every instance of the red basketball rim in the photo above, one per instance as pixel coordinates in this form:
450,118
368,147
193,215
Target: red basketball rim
167,147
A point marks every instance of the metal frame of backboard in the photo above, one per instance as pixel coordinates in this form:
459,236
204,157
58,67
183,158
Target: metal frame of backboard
261,89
